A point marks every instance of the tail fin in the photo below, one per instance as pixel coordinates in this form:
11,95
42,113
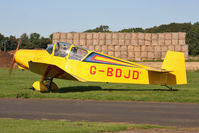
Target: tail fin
175,62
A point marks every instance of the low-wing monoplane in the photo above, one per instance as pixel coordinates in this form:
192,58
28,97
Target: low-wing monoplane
66,61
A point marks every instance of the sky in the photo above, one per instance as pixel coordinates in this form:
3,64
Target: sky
48,16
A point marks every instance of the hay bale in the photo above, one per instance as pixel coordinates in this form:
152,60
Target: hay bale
115,36
163,55
82,42
141,42
127,42
121,36
164,48
91,47
150,55
111,53
177,48
89,36
157,48
95,42
168,36
134,36
76,36
63,40
157,55
137,54
128,36
171,47
69,36
117,48
102,36
137,48
131,54
98,48
154,36
104,49
161,36
144,54
76,42
184,48
95,36
147,42
111,48
182,35
175,36
174,42
181,42
140,36
148,36
115,42
167,42
101,42
124,54
63,36
89,42
108,36
154,42
82,36
121,42
144,48
130,48
150,48
117,54
108,42
56,36
161,42
134,42
124,48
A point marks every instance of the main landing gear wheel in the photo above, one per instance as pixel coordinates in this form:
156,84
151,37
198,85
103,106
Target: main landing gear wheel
45,85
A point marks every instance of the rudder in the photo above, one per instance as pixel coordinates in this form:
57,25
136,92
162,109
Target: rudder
175,62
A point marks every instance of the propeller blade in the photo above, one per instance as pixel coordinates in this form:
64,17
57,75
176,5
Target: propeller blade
13,59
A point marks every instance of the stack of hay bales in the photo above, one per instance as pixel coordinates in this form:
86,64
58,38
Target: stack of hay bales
131,46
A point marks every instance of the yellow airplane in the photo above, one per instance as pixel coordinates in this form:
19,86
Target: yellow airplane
66,61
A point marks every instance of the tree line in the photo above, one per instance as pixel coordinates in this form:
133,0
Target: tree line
35,40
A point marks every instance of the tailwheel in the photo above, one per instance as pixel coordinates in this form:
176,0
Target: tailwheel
45,85
51,85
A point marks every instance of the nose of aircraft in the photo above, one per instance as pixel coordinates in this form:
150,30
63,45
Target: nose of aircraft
22,57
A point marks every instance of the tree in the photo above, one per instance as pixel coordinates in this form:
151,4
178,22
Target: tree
1,41
101,28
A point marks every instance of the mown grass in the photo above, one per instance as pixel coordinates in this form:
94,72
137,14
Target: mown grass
52,126
20,83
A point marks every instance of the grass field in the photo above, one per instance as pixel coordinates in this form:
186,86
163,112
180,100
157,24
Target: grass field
20,83
52,126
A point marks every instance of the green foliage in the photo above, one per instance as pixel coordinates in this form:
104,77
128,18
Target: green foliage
27,42
101,28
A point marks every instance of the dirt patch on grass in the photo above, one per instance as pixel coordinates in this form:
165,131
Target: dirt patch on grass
189,65
159,130
5,59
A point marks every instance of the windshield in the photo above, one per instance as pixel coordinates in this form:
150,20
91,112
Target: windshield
50,48
62,49
77,53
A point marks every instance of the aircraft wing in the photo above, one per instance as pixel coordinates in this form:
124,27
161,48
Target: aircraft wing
50,70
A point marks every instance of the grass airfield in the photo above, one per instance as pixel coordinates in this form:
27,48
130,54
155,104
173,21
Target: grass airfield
20,83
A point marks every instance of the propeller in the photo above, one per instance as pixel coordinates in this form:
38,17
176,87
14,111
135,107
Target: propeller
13,59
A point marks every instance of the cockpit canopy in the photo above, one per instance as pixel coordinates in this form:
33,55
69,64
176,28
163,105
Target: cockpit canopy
62,49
